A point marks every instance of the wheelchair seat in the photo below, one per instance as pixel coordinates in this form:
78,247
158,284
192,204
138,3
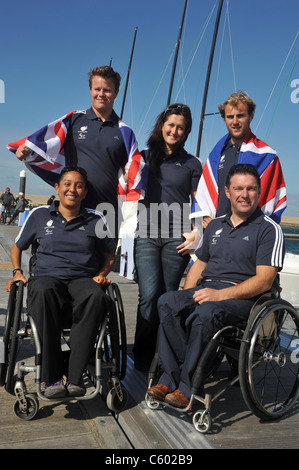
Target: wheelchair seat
110,354
265,358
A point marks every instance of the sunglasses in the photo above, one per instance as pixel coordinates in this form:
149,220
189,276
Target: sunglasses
173,107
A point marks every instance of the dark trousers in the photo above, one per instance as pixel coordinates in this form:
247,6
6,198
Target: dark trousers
186,328
50,302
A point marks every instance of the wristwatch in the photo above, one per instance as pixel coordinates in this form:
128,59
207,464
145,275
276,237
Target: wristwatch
17,269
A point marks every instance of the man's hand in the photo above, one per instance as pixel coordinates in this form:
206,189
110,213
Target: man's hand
23,152
207,295
17,277
100,279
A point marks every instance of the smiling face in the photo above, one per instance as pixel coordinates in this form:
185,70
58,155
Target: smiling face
237,120
71,190
243,193
103,94
173,132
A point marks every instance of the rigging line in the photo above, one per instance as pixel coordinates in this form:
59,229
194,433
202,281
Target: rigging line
217,81
284,91
220,55
181,68
203,30
181,72
153,97
131,103
231,46
276,83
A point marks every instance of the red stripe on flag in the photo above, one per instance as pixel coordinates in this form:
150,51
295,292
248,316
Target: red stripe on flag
272,180
210,186
16,145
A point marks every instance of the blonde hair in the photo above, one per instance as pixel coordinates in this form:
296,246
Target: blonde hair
234,100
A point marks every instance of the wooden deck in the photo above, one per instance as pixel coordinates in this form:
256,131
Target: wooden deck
90,425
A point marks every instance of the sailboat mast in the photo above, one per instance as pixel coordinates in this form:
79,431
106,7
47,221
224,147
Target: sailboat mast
202,115
176,54
128,74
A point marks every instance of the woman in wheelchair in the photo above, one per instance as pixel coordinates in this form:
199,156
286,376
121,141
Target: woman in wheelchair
73,258
238,260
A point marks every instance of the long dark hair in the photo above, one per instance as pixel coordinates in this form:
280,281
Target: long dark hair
156,144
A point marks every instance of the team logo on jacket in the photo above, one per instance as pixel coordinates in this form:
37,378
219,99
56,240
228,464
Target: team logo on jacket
216,236
49,227
82,133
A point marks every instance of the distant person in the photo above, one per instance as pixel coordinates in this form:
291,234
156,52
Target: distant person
21,204
160,256
95,139
50,200
8,202
237,262
240,145
72,264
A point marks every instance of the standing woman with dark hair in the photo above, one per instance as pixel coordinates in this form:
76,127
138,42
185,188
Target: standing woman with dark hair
161,253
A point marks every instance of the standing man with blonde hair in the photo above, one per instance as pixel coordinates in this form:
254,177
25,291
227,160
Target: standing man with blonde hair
240,145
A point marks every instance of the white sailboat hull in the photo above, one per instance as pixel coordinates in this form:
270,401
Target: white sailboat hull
289,279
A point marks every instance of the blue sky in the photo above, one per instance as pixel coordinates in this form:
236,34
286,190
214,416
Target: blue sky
47,49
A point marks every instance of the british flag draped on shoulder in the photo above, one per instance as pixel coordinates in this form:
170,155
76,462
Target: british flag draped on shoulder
48,144
272,200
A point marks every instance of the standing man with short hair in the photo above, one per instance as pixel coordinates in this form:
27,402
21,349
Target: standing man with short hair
7,202
95,139
240,145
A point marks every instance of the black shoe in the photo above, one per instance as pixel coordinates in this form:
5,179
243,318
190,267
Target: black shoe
75,390
55,390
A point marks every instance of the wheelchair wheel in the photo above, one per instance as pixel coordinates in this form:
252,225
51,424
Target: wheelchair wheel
269,360
31,408
7,331
202,421
117,401
117,323
12,343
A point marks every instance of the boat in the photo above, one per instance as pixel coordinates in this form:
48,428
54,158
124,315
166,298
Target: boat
289,279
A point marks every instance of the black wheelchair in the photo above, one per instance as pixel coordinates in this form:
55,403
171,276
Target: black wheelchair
110,355
263,354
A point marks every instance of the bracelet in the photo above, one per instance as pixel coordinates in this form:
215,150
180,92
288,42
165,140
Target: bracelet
195,230
17,269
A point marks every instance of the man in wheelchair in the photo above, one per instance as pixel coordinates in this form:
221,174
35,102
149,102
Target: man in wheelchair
72,262
239,259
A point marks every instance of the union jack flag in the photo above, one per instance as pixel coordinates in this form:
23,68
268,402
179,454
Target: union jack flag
48,144
272,200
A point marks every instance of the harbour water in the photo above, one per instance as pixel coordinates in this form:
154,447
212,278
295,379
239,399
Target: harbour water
292,246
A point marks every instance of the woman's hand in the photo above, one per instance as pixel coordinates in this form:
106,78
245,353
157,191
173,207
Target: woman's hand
190,244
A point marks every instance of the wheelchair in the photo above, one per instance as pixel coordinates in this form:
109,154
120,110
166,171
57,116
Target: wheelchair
110,355
263,354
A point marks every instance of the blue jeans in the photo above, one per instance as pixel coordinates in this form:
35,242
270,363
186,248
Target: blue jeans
159,269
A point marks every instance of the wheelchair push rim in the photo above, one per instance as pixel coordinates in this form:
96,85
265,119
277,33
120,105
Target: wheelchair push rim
7,331
119,339
11,335
269,360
